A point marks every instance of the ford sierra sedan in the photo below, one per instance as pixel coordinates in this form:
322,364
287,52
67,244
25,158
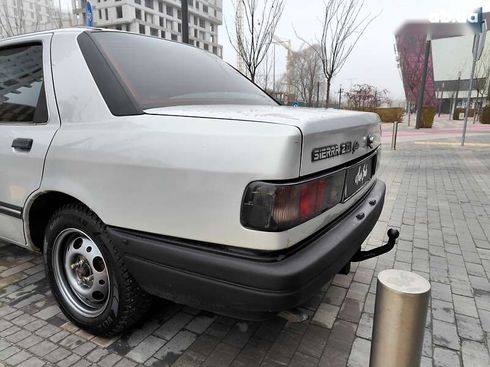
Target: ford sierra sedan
141,167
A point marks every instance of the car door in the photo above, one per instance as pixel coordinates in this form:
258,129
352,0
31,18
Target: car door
28,121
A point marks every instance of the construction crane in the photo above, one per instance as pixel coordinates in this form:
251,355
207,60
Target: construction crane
286,43
240,64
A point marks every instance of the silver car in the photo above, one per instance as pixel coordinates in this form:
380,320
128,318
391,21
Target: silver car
143,167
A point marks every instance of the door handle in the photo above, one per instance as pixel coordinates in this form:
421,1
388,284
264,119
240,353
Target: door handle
22,144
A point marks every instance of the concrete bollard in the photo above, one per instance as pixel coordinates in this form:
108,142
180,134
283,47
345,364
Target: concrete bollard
402,299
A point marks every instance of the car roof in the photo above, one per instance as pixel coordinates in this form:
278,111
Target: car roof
80,29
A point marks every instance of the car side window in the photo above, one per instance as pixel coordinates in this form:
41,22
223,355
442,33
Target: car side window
22,96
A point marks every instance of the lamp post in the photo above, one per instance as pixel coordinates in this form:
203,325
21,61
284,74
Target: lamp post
478,44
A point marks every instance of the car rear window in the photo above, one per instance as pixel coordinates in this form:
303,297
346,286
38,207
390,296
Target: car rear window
159,73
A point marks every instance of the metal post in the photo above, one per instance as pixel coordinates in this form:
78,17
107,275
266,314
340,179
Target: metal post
396,134
468,101
393,136
340,97
185,21
440,99
402,299
420,100
455,102
409,111
317,94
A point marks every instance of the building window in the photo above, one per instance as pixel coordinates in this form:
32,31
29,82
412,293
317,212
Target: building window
137,2
170,24
179,27
205,8
138,14
162,22
179,14
213,27
164,35
100,14
191,2
206,47
198,44
197,5
106,14
119,12
142,29
195,20
215,50
170,11
202,23
174,37
154,32
149,18
149,4
195,33
160,6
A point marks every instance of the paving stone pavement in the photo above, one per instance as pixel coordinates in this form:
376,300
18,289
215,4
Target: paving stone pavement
439,198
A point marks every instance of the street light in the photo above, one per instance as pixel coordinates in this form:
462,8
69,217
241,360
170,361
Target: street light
478,45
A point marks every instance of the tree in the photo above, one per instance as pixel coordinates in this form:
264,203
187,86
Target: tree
306,72
13,20
342,27
252,43
365,96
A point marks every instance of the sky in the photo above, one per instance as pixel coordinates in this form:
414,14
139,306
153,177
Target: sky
373,60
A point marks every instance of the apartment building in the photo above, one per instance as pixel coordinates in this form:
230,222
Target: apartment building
159,18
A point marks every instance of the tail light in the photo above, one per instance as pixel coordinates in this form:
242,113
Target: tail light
277,207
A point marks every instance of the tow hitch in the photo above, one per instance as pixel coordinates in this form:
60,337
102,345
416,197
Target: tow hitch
393,234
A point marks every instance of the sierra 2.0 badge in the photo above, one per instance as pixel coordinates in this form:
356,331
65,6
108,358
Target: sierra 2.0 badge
334,150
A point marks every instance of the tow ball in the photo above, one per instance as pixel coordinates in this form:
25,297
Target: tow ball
393,234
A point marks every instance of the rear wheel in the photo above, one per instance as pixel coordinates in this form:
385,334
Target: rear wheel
87,275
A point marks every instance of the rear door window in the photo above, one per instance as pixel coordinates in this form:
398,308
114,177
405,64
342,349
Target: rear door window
22,96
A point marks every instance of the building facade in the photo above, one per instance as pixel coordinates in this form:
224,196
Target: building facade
449,65
159,18
25,16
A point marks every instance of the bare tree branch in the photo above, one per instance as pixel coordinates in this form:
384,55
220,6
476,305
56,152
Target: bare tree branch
342,28
14,17
252,43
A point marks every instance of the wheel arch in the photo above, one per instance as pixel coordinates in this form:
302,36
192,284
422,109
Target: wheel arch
39,209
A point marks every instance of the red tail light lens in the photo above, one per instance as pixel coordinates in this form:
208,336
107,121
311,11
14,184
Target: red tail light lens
277,207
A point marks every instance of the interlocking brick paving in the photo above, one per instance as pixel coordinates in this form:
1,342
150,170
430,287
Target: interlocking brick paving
439,198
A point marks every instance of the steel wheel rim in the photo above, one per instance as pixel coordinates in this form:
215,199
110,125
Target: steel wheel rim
81,273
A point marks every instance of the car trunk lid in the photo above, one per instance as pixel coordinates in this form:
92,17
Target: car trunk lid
331,137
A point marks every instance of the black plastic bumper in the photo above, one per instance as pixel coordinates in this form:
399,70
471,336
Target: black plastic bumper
248,286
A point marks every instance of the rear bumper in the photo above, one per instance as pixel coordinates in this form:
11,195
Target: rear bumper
245,284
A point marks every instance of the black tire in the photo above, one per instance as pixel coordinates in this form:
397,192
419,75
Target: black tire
124,302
